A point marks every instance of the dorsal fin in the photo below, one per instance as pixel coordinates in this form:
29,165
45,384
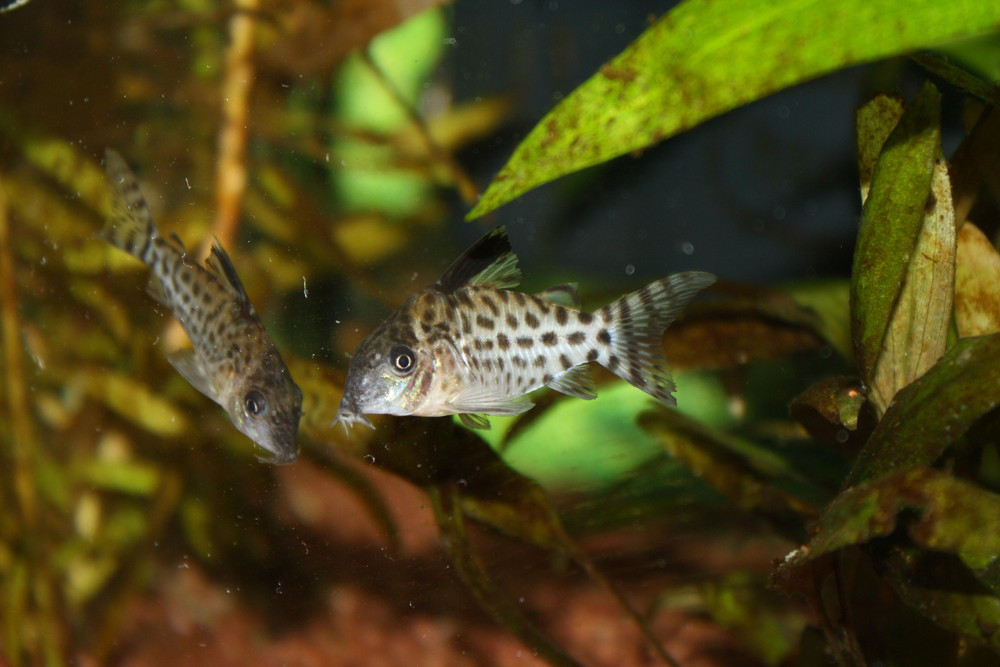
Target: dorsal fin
489,261
176,240
220,264
562,295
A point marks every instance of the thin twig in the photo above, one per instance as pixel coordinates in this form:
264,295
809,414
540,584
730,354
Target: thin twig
463,183
231,171
17,398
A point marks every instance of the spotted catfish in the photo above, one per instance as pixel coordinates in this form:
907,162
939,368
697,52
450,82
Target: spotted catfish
234,362
469,345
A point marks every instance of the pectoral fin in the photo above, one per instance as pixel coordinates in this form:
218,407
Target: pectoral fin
475,421
186,363
485,401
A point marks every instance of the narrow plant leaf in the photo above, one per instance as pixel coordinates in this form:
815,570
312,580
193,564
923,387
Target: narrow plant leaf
918,331
709,56
473,573
933,412
975,163
830,301
977,283
940,587
751,476
891,221
876,121
750,325
943,64
137,402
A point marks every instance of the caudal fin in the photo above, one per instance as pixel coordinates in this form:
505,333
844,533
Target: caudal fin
130,225
635,324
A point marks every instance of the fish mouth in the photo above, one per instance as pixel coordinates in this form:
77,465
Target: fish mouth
282,456
348,418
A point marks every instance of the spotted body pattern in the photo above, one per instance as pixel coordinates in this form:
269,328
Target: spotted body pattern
233,361
470,346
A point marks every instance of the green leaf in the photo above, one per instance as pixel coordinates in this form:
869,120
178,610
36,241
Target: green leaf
918,331
876,121
933,412
753,477
942,589
891,222
948,571
137,402
949,513
709,56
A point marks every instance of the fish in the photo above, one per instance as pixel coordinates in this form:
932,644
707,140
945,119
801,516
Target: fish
233,360
471,346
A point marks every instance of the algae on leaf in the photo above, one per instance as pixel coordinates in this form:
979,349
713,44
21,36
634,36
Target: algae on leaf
706,57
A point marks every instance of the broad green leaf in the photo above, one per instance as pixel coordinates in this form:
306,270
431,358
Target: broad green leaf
891,222
929,415
709,56
949,511
918,330
948,578
977,283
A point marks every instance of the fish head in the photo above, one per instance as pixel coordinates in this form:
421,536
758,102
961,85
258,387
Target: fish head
391,373
267,408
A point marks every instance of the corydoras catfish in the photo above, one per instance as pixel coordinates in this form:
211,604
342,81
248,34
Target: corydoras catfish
233,361
469,345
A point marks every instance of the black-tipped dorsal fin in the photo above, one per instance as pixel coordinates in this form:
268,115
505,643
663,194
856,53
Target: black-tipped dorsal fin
220,264
489,261
562,295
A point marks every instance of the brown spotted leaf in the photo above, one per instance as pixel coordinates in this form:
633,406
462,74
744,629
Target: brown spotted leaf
930,414
750,475
948,577
977,283
875,122
833,411
918,330
891,223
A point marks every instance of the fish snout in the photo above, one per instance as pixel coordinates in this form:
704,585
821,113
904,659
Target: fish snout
280,457
348,416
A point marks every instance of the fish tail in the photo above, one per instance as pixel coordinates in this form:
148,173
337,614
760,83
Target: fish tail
632,336
130,225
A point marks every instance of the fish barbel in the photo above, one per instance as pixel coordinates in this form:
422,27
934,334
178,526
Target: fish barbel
233,361
469,345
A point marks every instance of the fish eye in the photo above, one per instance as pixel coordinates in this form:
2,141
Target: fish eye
255,403
403,359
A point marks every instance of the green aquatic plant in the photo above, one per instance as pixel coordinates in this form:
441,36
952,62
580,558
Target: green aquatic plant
879,483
